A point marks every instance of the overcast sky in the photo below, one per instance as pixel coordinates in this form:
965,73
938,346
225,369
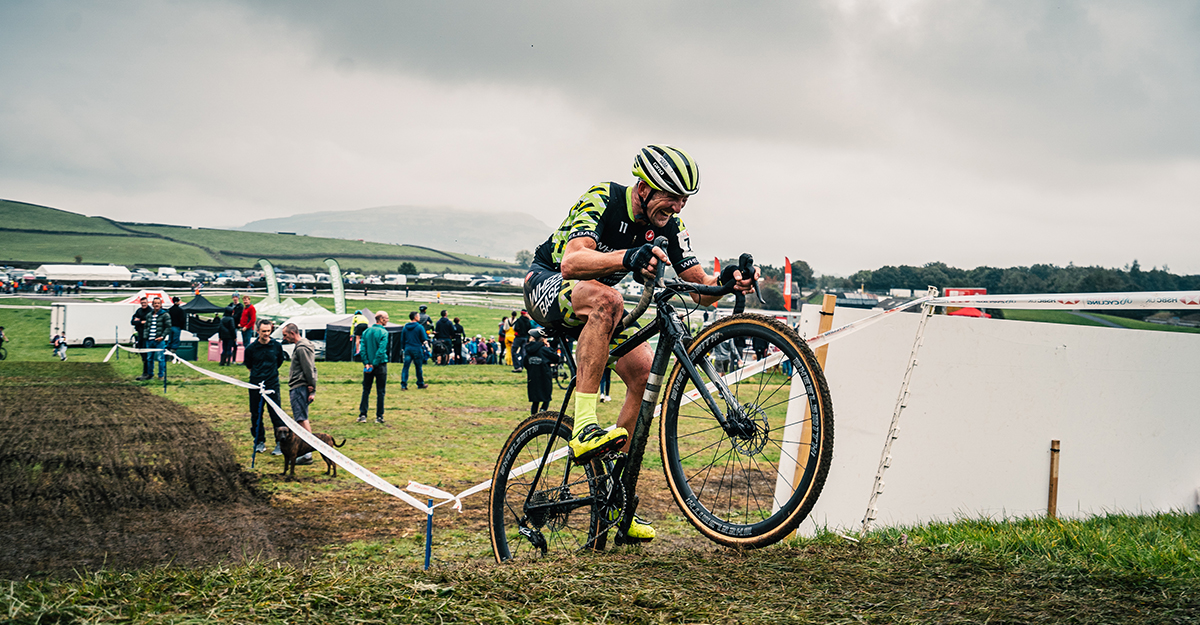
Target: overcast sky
850,134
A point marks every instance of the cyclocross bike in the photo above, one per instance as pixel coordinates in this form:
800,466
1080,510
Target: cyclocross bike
744,468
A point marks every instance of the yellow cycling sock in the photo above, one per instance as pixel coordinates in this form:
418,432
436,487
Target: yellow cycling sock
585,411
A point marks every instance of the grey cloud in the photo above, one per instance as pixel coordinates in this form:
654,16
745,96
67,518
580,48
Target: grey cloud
1091,80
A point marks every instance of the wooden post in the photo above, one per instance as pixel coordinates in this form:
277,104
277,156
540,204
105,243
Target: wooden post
1052,504
826,323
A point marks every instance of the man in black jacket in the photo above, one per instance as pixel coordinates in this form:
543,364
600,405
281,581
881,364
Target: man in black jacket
263,357
521,326
138,321
178,321
444,335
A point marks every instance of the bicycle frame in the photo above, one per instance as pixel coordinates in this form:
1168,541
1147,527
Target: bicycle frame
673,343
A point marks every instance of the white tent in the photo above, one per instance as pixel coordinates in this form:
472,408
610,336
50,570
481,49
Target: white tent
149,294
75,273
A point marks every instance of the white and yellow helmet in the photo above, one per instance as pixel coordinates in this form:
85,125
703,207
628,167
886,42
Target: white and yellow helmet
667,169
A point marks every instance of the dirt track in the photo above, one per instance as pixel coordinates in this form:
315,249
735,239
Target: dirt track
95,472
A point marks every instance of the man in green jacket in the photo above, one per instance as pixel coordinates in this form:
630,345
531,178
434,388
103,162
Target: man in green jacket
375,359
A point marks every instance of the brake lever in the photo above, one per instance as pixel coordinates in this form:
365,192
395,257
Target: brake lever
746,267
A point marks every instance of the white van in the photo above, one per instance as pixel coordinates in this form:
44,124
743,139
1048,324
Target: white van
312,327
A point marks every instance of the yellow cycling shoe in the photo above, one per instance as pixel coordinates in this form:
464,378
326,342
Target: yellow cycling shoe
640,531
593,441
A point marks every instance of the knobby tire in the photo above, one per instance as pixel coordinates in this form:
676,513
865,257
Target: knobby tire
730,486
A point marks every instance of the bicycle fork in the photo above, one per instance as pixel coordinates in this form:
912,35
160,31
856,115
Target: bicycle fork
630,470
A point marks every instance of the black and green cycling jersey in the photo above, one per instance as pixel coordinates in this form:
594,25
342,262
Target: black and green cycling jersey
605,214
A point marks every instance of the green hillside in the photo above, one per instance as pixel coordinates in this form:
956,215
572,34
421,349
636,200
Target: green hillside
37,234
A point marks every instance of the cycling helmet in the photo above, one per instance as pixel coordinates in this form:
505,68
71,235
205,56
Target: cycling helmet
667,169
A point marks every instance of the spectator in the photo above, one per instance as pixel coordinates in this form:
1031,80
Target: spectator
59,341
360,324
158,331
521,328
424,319
476,351
375,359
605,384
414,339
444,335
506,338
227,332
459,335
536,360
178,321
302,380
494,349
263,358
236,303
138,321
246,323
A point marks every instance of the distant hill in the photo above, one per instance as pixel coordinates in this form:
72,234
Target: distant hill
31,234
492,235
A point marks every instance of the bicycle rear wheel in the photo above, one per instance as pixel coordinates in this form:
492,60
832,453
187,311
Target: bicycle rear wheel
560,512
752,484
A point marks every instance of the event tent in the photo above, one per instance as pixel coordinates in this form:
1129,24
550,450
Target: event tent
75,273
201,306
338,346
149,294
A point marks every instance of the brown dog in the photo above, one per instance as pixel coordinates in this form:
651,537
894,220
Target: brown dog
293,447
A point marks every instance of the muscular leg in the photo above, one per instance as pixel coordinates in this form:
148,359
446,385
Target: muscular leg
634,369
601,307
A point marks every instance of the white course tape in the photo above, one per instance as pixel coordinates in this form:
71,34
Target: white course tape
337,457
430,491
342,461
1160,300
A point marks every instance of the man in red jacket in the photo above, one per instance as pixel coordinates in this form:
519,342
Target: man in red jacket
246,323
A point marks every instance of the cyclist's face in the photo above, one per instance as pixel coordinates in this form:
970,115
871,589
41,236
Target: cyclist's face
661,206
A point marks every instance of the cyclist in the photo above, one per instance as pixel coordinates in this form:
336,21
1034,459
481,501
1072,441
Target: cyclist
607,235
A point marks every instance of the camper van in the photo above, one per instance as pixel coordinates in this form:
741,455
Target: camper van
88,324
92,324
312,327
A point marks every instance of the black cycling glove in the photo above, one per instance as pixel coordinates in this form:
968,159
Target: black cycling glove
638,258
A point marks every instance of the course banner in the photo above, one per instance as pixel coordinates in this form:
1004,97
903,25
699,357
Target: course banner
1160,300
335,280
269,276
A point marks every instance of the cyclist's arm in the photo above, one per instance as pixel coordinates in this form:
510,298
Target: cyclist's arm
581,260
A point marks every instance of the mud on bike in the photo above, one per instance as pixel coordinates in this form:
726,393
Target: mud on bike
744,469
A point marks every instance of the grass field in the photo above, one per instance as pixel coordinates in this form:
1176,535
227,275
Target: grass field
38,234
1102,570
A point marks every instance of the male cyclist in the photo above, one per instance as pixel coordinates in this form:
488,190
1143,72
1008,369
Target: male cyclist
607,235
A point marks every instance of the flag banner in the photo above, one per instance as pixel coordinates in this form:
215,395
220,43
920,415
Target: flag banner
787,284
269,276
335,280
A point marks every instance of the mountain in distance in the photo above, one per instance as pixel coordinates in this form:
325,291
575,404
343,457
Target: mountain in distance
493,235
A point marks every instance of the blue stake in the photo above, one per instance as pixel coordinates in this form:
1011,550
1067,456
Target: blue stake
429,535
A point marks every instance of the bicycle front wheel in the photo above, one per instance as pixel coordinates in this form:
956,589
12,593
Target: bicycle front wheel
748,484
559,510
